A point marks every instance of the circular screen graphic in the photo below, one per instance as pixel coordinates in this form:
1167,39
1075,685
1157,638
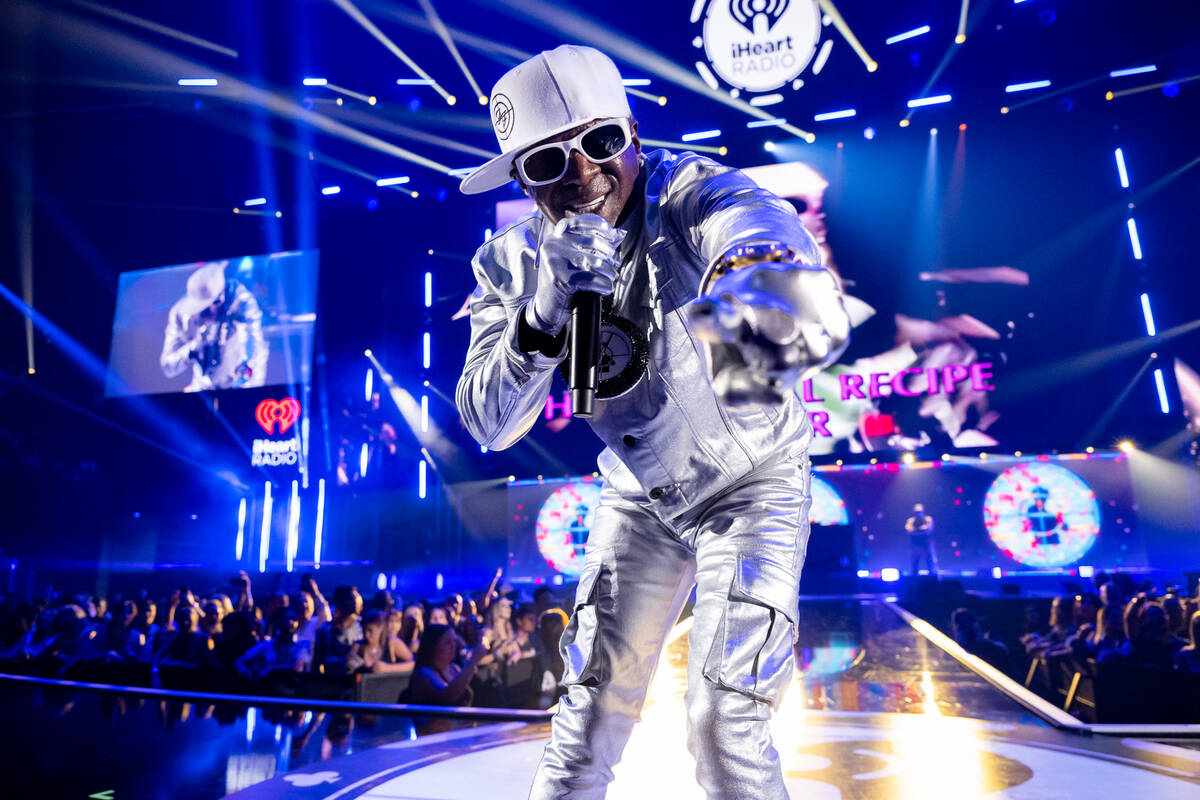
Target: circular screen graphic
828,508
563,523
1041,515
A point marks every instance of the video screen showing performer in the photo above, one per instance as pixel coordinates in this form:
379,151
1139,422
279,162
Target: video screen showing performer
227,324
705,471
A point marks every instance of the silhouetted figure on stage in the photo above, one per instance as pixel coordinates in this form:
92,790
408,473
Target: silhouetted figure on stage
920,540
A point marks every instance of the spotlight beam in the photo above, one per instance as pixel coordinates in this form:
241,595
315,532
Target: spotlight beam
364,119
440,28
155,27
838,22
349,93
961,36
499,52
1148,87
654,98
156,62
703,148
574,25
1104,419
356,15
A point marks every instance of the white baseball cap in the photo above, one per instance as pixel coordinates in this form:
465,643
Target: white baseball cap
551,93
204,286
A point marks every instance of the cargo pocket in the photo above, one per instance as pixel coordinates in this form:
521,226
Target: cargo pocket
752,650
581,659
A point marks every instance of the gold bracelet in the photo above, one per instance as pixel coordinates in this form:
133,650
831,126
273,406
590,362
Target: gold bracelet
744,256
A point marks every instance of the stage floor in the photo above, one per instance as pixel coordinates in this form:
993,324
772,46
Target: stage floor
877,713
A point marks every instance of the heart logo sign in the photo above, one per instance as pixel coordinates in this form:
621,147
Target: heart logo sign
285,412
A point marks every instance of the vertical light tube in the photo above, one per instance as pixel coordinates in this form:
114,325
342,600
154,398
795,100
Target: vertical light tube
362,461
320,527
293,528
1161,385
425,349
241,537
429,290
1148,315
424,413
421,467
1134,241
369,387
264,539
1121,173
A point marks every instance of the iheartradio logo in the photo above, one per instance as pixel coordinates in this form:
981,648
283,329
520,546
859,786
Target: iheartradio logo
285,412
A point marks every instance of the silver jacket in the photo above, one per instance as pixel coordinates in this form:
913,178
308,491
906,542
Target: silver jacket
670,443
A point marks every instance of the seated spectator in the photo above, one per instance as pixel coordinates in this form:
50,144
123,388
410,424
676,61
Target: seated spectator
1149,642
374,653
1177,624
1084,610
237,636
1109,634
395,650
187,644
336,639
312,610
1110,595
1061,614
436,679
966,632
413,626
1188,658
281,650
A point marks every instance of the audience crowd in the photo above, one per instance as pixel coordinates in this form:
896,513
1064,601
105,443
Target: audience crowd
487,649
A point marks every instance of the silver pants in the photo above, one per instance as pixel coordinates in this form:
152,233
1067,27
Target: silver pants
743,551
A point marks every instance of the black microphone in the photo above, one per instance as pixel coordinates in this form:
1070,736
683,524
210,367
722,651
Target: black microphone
585,352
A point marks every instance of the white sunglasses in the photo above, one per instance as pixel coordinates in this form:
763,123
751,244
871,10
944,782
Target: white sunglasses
602,142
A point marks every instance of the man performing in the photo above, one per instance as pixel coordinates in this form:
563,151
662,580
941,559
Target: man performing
216,328
706,473
920,540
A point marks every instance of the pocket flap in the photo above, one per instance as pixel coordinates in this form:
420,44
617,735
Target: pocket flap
589,584
767,583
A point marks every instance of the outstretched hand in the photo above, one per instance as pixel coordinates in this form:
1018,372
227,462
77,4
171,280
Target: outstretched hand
768,325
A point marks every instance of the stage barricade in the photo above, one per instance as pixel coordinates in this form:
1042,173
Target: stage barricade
384,687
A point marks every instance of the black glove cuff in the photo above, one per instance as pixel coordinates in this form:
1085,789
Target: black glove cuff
531,340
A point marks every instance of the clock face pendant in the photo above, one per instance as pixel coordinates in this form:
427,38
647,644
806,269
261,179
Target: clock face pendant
624,353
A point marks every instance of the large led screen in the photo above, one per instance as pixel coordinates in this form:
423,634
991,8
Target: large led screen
234,323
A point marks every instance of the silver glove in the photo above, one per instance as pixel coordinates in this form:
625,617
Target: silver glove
768,325
579,254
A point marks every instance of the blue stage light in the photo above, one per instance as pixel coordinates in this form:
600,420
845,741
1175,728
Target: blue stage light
869,133
429,290
929,101
1024,87
414,81
1163,403
696,136
381,581
766,123
315,82
424,413
318,533
425,350
369,384
635,81
255,201
392,181
828,115
241,534
1133,238
421,479
900,37
327,190
293,528
362,461
1121,173
264,539
197,81
1121,73
1148,315
889,574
